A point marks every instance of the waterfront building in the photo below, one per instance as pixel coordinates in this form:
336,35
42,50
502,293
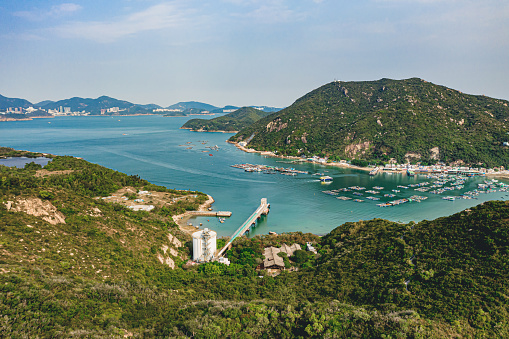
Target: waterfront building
204,245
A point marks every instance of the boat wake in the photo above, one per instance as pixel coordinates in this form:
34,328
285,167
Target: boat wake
180,168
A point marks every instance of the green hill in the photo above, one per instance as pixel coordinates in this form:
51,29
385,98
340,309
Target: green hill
230,122
378,120
94,106
13,102
75,265
192,104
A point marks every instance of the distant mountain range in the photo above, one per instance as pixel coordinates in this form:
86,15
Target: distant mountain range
408,120
13,102
94,106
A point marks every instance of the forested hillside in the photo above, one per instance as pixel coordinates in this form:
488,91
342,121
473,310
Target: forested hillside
231,122
99,273
409,119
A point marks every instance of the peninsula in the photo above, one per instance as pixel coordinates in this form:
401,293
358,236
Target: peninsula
74,244
230,123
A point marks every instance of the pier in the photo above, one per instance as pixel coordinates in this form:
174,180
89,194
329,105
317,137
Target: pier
263,209
223,214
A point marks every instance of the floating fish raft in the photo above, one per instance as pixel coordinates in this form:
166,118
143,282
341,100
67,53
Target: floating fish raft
269,169
437,187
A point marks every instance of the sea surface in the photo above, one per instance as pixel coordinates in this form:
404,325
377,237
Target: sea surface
157,150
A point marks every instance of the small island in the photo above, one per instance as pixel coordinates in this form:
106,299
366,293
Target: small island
231,122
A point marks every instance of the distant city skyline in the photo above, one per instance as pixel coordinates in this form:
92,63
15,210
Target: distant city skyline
246,52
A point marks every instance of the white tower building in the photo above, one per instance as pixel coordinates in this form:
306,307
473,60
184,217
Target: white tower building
204,245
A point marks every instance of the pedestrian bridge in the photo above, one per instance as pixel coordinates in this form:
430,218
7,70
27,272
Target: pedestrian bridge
263,209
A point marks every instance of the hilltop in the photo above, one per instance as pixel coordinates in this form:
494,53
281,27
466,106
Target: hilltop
94,106
182,106
408,120
13,102
231,122
76,265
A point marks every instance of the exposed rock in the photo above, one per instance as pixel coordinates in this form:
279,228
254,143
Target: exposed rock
412,155
352,149
303,138
166,261
276,125
95,212
38,208
177,242
435,153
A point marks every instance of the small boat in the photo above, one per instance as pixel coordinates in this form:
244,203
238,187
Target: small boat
211,154
326,178
374,171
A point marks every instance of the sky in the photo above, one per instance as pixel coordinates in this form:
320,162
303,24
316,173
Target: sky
246,52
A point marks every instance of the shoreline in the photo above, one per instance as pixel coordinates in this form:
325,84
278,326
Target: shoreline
504,175
271,154
73,116
208,131
181,219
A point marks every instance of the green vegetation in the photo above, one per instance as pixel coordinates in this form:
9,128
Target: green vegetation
27,116
230,122
7,152
377,120
98,275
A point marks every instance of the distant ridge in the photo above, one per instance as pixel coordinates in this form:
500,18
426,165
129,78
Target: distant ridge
43,103
94,106
192,104
230,122
13,102
408,120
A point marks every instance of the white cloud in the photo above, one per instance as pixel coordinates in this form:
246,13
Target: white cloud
267,11
273,13
53,12
157,17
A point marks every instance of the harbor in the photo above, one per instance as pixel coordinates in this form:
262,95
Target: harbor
296,197
444,183
267,169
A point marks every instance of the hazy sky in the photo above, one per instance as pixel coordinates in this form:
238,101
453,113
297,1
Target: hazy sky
246,52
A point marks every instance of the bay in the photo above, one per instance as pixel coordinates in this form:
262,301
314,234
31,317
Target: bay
154,148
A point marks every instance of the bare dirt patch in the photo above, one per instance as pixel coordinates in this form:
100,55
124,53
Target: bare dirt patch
43,172
131,197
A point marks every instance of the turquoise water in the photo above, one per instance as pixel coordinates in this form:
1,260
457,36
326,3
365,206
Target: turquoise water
150,147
